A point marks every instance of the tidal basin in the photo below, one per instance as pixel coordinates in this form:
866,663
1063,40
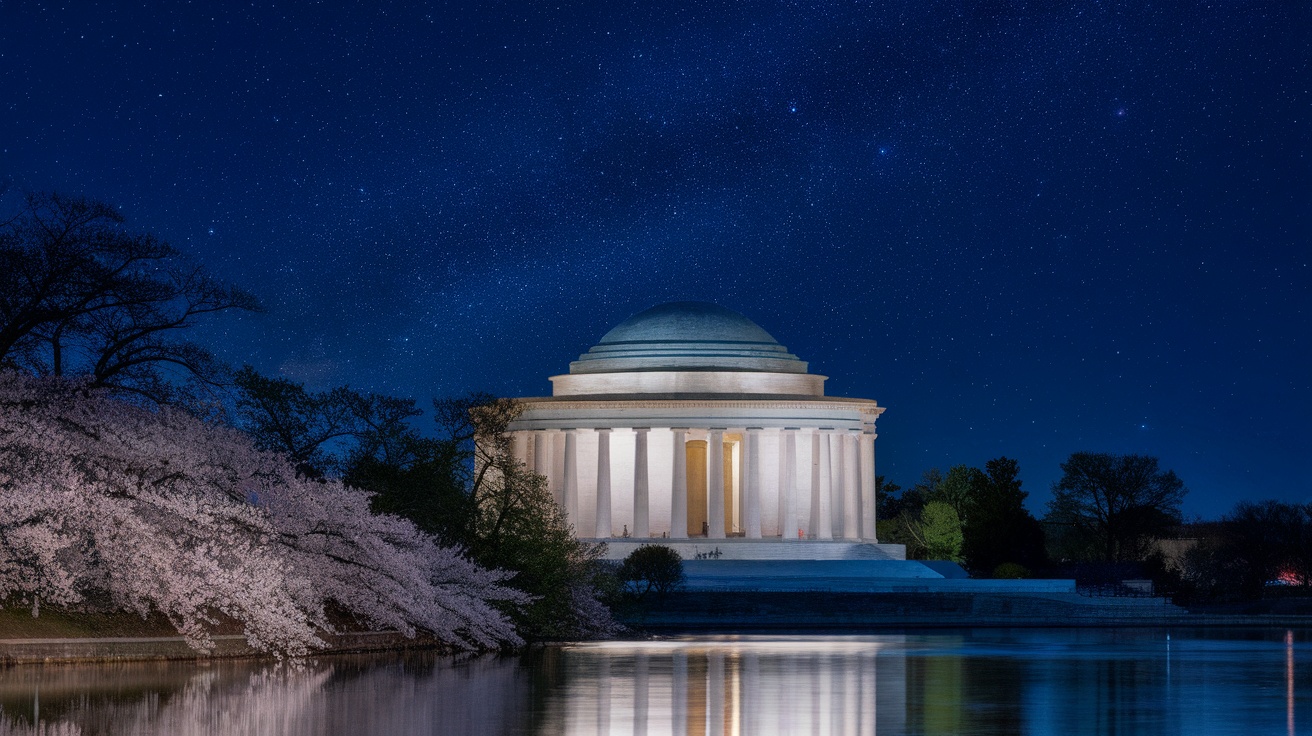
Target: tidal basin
980,681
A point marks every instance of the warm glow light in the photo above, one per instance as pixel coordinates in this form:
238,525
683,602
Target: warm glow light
1289,682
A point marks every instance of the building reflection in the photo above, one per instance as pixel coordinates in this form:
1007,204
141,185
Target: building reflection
1068,681
732,686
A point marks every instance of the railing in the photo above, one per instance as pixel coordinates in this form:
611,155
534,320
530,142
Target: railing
1114,590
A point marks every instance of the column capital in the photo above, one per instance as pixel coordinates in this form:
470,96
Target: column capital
600,430
641,430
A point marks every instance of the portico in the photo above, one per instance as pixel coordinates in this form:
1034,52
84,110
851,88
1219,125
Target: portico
689,422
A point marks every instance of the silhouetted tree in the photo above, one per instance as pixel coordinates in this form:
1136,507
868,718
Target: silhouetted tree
1118,502
957,488
998,529
1259,542
651,567
323,431
82,296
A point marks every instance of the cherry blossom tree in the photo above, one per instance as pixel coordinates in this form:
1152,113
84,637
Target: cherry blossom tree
107,505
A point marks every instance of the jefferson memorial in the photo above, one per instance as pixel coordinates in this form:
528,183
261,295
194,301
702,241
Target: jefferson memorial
690,425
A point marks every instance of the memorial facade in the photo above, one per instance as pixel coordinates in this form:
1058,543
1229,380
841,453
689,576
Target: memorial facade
690,422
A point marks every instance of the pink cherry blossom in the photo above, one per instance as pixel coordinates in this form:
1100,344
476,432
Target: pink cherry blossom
104,504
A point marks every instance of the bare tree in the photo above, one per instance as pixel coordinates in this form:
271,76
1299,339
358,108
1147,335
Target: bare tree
82,296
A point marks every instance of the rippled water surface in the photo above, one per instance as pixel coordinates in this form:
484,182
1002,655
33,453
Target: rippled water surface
1077,681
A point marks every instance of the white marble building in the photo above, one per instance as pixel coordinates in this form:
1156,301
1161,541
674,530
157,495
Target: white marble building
631,437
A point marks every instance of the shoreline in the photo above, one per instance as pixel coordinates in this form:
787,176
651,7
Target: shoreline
102,650
727,612
709,612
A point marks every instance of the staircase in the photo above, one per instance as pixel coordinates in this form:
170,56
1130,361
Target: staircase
759,549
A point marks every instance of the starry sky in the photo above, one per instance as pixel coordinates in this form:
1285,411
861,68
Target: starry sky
1025,228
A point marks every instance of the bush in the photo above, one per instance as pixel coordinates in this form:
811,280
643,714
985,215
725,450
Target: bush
1011,571
649,567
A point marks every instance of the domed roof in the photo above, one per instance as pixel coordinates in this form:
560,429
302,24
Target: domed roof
687,336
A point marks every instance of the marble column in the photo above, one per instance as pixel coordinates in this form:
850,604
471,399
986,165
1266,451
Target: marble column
558,466
822,518
812,490
641,492
641,693
521,447
541,453
679,486
571,479
679,688
868,487
715,484
716,684
603,484
836,482
787,483
851,487
751,485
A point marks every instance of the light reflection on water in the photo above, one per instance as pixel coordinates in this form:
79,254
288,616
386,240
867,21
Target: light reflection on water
1078,681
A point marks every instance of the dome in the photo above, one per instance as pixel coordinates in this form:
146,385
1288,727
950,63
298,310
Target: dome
688,336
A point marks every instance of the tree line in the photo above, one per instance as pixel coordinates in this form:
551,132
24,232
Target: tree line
1106,508
1111,517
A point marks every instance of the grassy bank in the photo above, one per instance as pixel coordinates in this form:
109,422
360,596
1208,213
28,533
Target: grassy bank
61,636
55,623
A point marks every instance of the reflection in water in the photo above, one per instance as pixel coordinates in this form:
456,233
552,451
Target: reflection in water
1077,681
1289,682
731,686
396,694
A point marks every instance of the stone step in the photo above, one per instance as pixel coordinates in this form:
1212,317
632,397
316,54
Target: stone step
759,549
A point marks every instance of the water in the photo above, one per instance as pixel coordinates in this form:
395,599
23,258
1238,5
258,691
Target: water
1079,681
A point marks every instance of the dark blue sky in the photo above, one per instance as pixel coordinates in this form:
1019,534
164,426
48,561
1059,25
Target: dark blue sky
1026,229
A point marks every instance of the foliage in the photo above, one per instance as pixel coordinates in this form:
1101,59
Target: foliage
652,567
82,296
957,489
1261,545
938,531
997,527
1011,571
313,428
464,486
107,504
420,483
1119,502
519,526
888,503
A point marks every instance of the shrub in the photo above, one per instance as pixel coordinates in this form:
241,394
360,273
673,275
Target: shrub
649,567
1011,571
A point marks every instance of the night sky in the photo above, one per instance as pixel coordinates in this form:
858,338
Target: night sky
1025,229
